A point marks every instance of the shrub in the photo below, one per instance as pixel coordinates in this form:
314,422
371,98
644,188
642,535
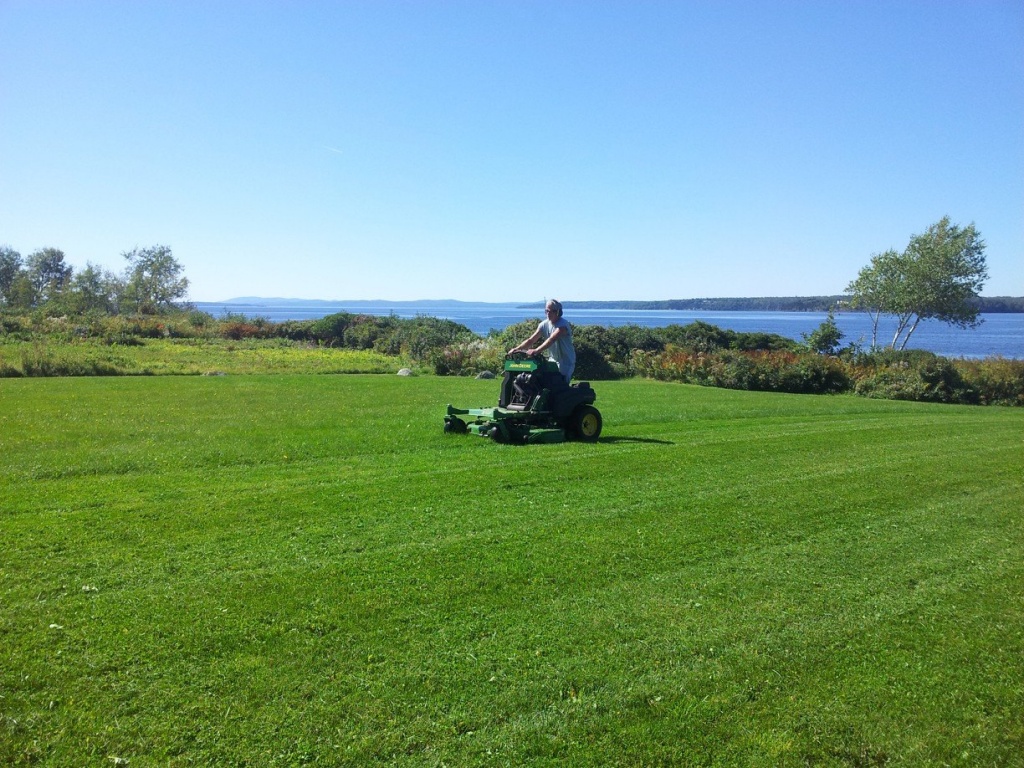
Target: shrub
456,360
8,371
591,365
615,345
15,327
330,330
296,330
769,371
698,336
364,332
238,330
513,334
420,337
997,381
762,342
933,379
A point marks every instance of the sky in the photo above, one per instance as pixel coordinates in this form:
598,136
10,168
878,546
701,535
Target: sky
511,150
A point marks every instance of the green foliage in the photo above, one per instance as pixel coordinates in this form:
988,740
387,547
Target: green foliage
511,335
47,273
889,374
996,380
94,290
462,359
330,330
10,266
185,357
938,276
698,336
592,365
922,377
756,341
825,339
420,338
291,571
710,357
154,280
616,344
757,371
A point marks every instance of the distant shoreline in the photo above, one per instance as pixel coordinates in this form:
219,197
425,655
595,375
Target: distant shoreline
987,304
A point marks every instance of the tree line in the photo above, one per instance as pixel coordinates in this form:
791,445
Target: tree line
152,282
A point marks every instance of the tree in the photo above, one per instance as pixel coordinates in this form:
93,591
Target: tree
153,280
10,266
47,273
937,277
872,289
94,289
826,337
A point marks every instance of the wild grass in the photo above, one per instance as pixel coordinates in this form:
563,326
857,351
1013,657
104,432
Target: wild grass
290,570
148,357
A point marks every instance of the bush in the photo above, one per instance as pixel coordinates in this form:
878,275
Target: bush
997,381
513,334
330,330
697,337
296,330
238,330
615,345
421,336
759,371
931,379
369,332
15,326
762,342
591,365
457,359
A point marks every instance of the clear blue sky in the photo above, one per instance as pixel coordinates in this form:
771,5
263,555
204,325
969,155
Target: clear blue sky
506,151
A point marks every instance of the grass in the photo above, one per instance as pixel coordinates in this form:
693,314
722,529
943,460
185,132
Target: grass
45,357
292,570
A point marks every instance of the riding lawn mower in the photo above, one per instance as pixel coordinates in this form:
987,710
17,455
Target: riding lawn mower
536,405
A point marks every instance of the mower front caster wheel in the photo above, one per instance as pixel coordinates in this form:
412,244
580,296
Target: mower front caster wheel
585,423
455,426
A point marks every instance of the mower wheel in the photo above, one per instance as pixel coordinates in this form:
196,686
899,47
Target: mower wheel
585,423
454,425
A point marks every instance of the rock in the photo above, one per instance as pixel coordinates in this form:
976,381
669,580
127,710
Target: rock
405,372
485,375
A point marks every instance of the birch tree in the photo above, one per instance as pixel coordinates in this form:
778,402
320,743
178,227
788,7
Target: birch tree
937,277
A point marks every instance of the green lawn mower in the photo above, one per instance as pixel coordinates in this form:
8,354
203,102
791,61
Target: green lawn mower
536,405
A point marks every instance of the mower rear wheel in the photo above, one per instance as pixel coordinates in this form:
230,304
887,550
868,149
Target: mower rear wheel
585,423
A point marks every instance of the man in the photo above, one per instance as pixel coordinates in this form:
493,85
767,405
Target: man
555,335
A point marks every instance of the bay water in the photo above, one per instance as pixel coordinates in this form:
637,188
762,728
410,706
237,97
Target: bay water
998,335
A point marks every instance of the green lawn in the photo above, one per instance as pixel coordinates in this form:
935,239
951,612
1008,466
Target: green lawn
293,570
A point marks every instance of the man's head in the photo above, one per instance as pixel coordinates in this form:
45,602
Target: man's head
553,309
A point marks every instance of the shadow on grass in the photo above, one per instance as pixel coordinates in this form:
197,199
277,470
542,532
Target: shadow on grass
634,440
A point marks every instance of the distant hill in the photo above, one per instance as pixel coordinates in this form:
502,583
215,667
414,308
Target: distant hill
279,301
